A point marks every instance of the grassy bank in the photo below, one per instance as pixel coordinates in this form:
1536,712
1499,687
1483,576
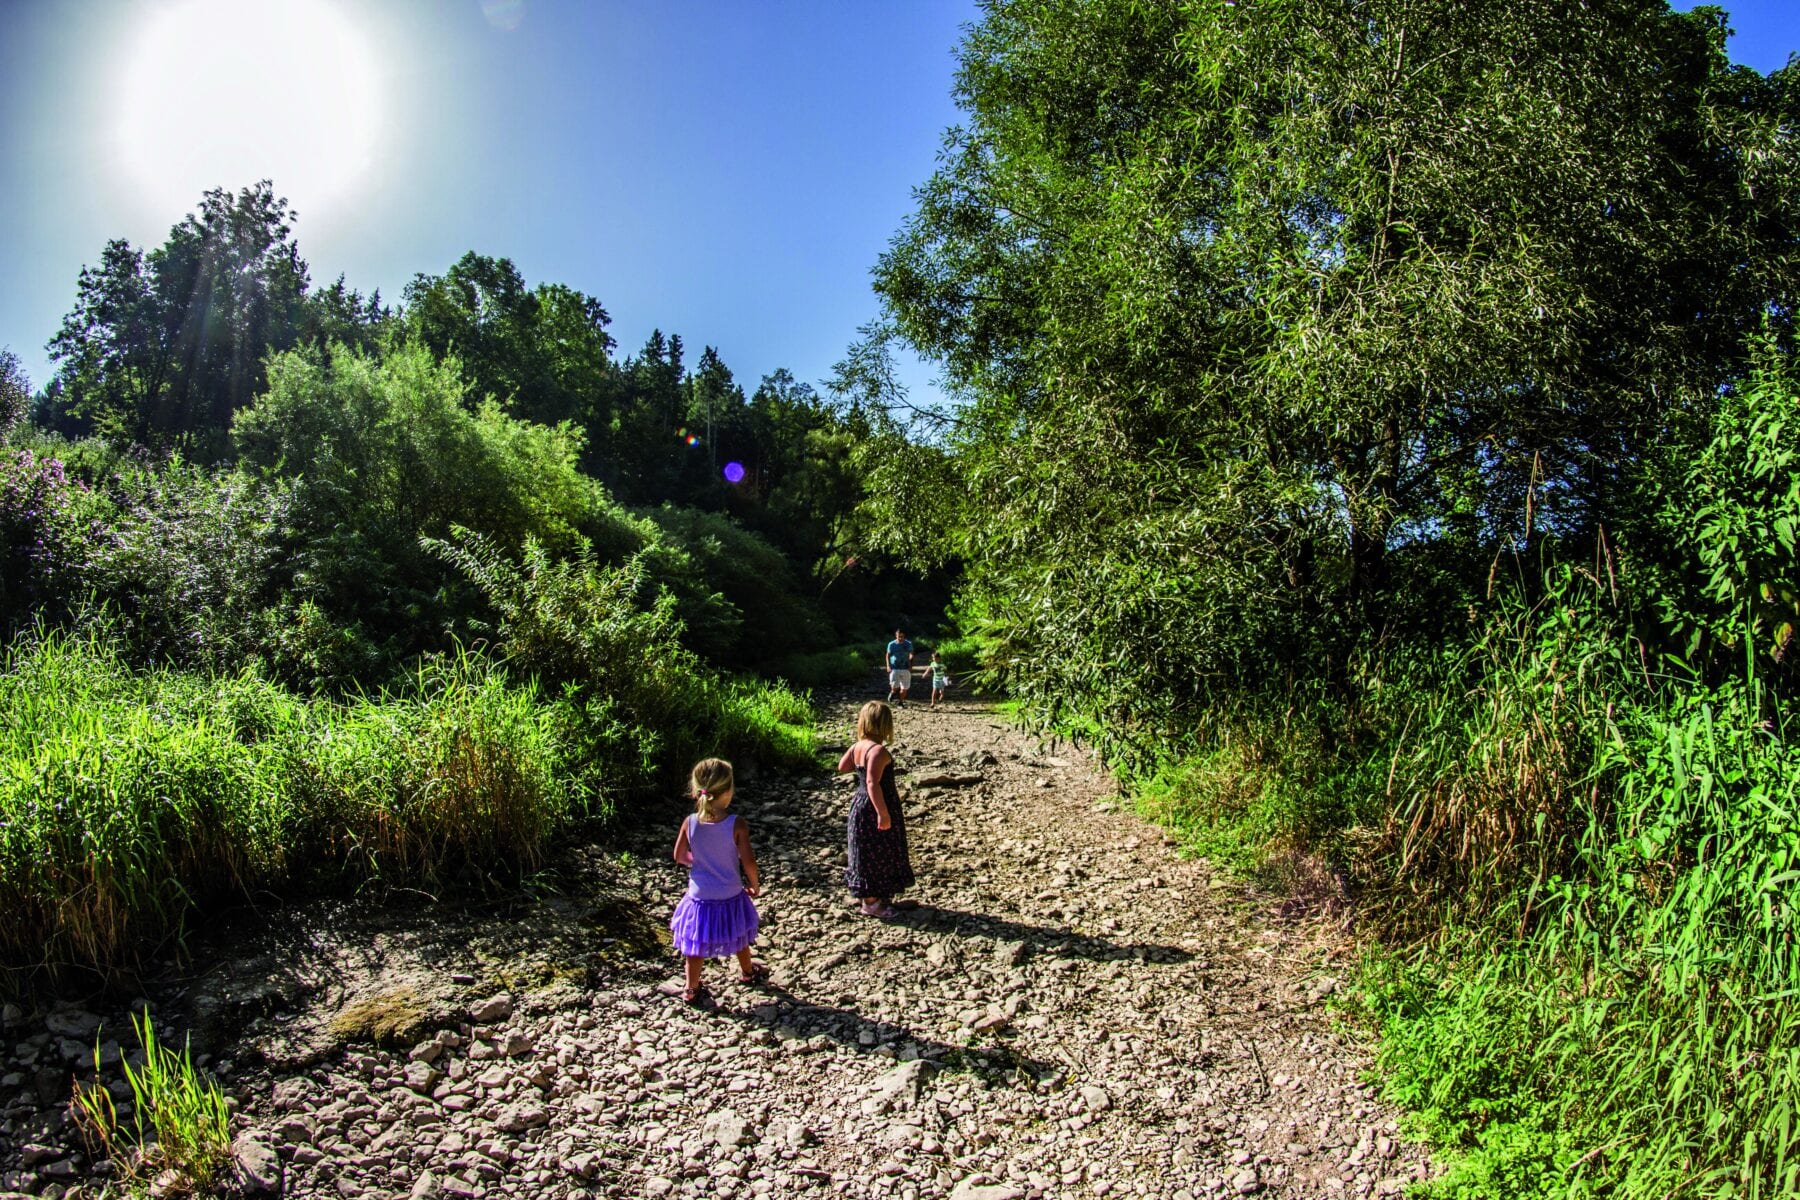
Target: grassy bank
130,799
1579,880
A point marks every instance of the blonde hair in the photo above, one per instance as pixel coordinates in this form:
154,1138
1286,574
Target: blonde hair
875,722
711,778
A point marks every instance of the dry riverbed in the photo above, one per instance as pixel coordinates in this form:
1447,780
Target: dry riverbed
1071,1010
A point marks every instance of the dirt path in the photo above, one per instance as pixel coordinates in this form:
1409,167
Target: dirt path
1072,1010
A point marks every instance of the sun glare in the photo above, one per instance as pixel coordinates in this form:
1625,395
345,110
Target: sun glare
221,93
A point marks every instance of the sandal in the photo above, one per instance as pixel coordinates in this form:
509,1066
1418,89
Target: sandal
879,911
691,995
756,974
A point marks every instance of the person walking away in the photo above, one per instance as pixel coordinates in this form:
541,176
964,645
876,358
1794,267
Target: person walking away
878,867
899,666
715,918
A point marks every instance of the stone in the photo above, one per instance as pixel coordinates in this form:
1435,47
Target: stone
1246,1182
658,1185
1011,954
258,1166
979,1187
517,1118
494,1008
425,1187
517,1042
902,1084
1095,1098
72,1023
728,1130
422,1077
298,1130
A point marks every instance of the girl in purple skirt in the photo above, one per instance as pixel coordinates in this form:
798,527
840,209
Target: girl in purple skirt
715,917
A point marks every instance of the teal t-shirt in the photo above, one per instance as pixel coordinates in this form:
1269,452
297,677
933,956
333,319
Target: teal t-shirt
899,654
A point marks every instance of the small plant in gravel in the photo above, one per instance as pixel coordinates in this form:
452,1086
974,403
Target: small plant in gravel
179,1139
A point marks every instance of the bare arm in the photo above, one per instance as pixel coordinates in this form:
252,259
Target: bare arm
878,762
747,857
683,855
848,762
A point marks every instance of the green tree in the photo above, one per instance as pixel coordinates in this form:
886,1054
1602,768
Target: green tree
163,348
542,352
1246,297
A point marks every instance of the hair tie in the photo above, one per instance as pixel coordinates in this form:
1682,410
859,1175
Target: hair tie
703,793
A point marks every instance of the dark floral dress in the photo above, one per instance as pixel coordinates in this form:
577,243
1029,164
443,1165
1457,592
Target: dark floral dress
879,866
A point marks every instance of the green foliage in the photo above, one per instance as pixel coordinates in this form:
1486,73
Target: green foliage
593,632
129,798
736,594
180,1124
164,348
1735,507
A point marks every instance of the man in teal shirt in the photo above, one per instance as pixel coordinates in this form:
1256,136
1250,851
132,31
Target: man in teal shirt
899,666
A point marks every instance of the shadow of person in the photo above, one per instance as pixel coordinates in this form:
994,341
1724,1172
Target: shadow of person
1043,939
792,1018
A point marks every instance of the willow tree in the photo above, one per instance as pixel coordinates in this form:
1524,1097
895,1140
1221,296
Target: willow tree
1247,297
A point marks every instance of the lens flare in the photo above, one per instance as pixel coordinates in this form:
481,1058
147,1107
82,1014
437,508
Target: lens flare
692,440
734,472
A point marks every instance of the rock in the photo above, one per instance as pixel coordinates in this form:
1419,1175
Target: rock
977,1187
422,1077
72,1023
1095,1098
1246,1183
297,1130
494,1008
425,1187
258,1166
517,1042
947,780
1011,954
658,1185
727,1129
33,1153
426,1052
517,1118
902,1084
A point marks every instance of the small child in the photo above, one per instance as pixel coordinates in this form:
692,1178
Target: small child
715,917
940,679
879,866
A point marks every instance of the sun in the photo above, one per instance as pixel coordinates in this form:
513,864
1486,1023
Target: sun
221,93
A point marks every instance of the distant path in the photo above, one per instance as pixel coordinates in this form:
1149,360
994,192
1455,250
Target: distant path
1097,1017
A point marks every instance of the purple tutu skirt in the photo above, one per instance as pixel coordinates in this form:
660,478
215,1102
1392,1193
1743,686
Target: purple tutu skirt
713,928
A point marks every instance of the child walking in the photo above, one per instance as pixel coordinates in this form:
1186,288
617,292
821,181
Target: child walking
940,679
878,866
715,917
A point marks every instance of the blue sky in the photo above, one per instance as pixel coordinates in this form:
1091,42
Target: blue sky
726,171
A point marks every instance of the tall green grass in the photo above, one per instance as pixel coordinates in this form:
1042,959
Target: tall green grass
1584,877
128,798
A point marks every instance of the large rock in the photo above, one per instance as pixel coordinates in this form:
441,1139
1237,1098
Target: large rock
258,1166
727,1129
978,1187
902,1084
494,1008
517,1118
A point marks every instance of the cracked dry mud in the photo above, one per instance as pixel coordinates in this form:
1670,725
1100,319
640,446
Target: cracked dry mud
1071,1010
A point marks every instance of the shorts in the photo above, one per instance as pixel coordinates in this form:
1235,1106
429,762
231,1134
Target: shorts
939,682
899,677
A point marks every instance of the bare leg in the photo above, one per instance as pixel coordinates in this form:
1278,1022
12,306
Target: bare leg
692,968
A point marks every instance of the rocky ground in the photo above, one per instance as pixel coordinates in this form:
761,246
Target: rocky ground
1071,1010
